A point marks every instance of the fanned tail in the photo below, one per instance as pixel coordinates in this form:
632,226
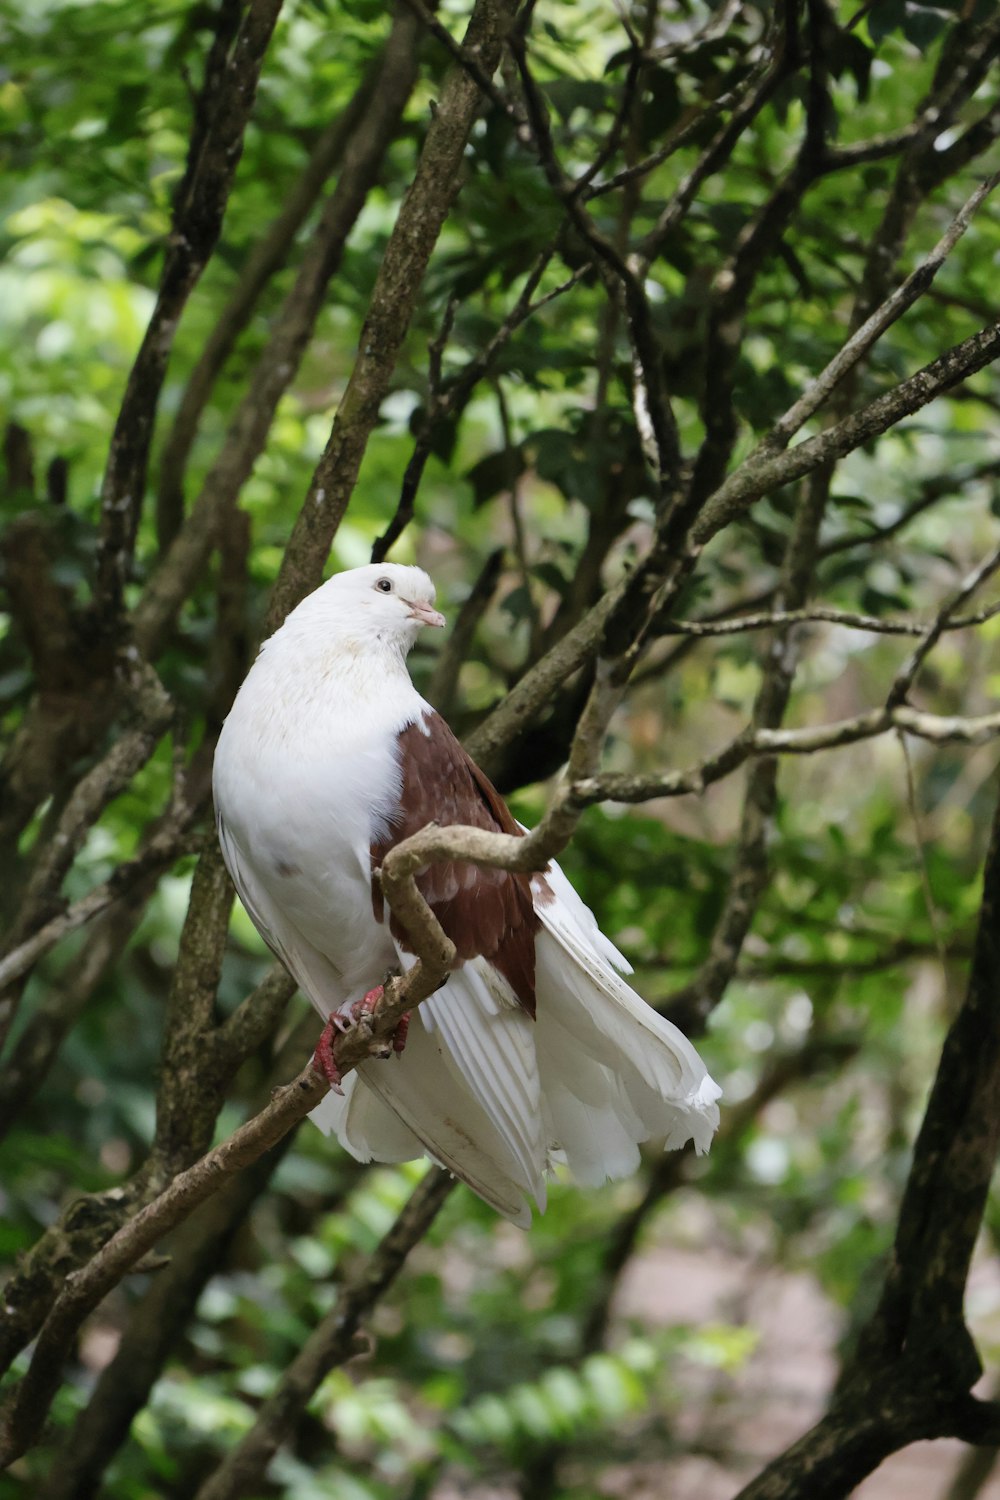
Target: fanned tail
465,1091
497,1098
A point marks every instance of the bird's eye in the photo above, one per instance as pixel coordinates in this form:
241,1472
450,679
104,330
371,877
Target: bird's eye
384,585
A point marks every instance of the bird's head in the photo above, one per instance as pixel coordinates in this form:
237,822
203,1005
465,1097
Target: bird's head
385,603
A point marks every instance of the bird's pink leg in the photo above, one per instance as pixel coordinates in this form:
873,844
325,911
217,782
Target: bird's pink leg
400,1034
323,1058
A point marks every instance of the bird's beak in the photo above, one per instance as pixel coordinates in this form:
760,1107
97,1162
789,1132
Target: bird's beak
426,614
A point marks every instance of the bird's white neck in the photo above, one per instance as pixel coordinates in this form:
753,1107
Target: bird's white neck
351,685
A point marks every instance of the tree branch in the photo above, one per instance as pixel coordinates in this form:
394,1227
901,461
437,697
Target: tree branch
760,474
915,1361
222,113
871,330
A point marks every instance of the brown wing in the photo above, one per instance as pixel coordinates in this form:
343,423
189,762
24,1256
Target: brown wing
483,911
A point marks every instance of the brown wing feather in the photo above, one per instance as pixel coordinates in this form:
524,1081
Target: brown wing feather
483,911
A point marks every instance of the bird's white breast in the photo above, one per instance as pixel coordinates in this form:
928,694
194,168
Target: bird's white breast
306,775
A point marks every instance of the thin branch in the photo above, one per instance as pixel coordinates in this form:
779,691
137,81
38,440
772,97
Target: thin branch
732,286
152,710
822,615
931,492
444,403
933,915
907,675
435,409
468,56
173,839
760,474
902,951
939,729
655,399
623,113
751,867
444,679
36,1048
691,124
776,61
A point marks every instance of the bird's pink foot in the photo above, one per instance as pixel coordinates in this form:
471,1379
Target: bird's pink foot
367,1003
400,1034
324,1060
340,1023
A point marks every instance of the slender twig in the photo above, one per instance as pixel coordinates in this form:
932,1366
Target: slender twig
654,396
760,474
907,675
173,840
820,614
939,729
444,679
758,88
469,58
445,402
933,915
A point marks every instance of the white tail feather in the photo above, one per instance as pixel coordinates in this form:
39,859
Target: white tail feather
494,1097
369,1129
488,1042
451,1125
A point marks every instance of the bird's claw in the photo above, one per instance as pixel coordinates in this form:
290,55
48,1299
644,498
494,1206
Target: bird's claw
400,1034
340,1023
324,1060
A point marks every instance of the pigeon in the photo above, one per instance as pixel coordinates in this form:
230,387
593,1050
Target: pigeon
535,1053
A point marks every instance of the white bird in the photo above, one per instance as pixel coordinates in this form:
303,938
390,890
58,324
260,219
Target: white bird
535,1052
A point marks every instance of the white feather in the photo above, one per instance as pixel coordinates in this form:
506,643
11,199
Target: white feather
422,1089
369,1129
488,1044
